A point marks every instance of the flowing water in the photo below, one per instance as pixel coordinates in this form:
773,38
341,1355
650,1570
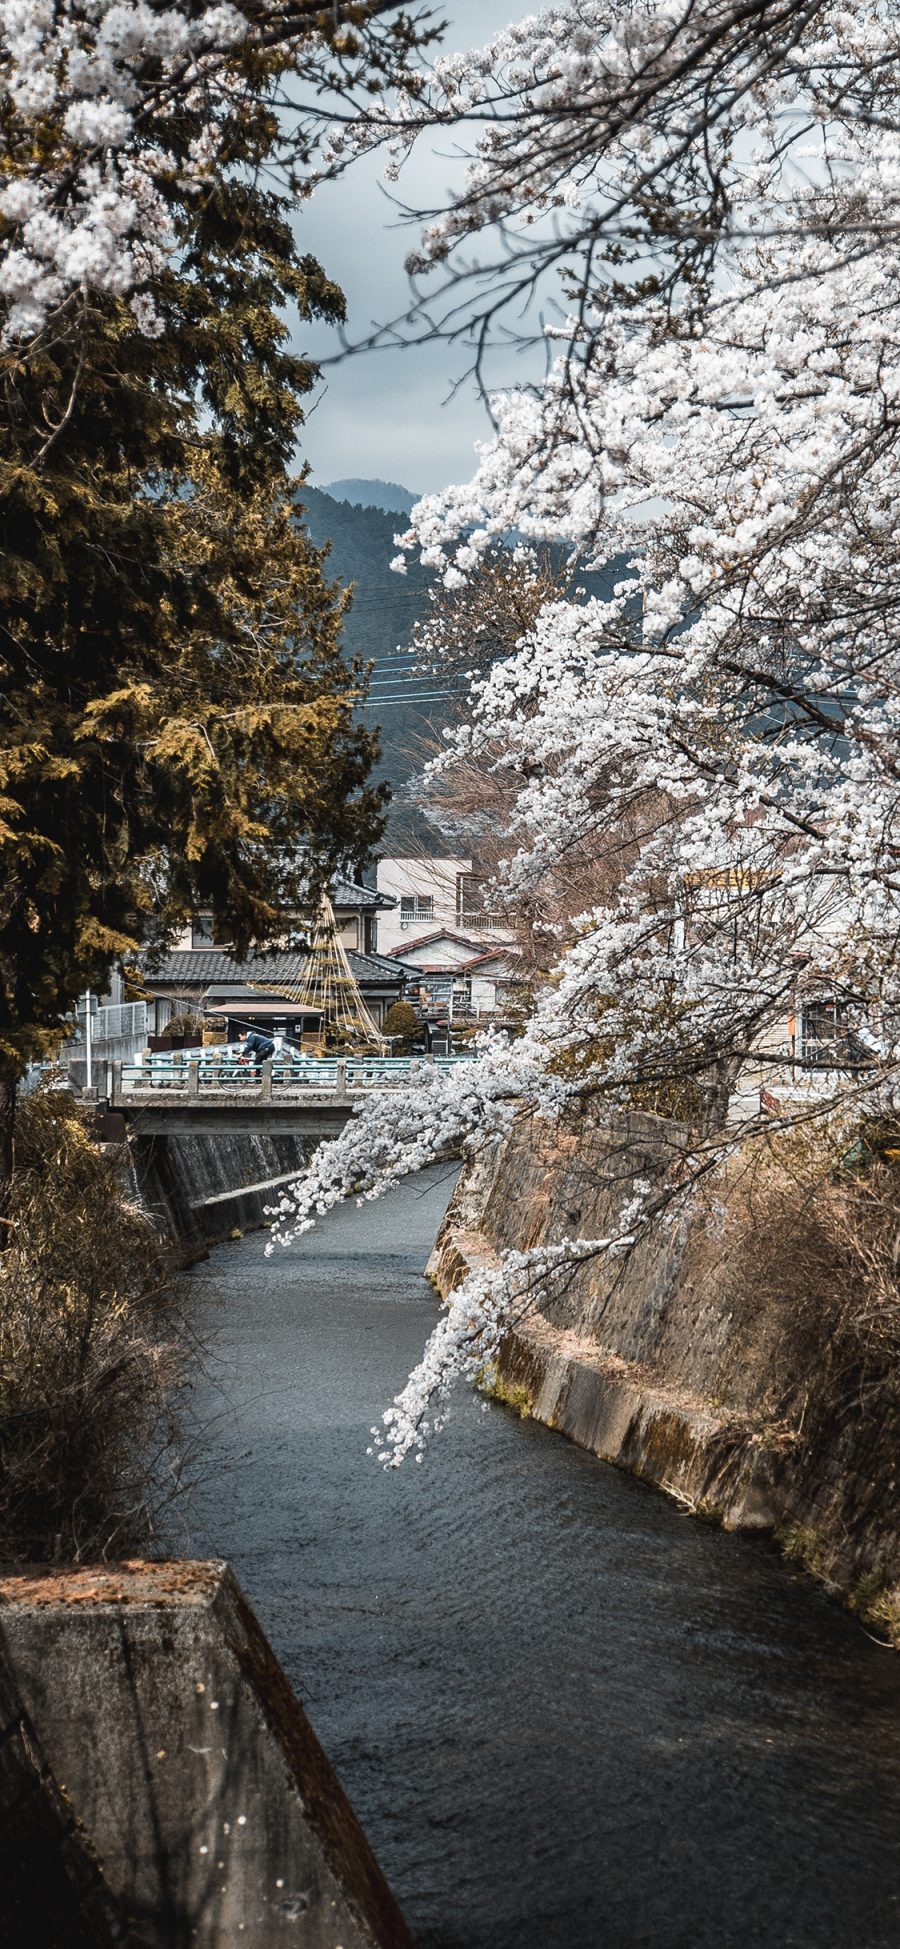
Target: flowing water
568,1716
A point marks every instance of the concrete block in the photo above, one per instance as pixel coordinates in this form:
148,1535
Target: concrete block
200,1789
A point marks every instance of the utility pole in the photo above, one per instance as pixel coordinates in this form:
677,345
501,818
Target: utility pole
87,1039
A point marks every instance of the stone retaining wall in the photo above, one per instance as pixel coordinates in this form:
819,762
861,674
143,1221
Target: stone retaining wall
202,1189
671,1365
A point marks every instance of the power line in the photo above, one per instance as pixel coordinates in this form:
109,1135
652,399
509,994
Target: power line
414,681
397,687
421,697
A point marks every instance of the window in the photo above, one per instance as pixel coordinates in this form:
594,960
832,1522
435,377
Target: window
205,934
827,1040
416,906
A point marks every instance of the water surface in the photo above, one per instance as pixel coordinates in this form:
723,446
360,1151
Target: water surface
568,1716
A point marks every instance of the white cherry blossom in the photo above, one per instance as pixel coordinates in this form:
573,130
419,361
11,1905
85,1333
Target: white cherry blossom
723,731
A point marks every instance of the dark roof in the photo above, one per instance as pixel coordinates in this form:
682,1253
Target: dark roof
346,893
197,967
215,967
376,969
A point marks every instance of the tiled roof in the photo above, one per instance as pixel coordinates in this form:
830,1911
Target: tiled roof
197,967
374,968
507,958
346,893
410,968
481,961
190,968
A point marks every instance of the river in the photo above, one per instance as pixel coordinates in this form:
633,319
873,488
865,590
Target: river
568,1716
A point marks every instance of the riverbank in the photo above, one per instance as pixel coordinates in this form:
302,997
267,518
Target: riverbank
679,1370
564,1715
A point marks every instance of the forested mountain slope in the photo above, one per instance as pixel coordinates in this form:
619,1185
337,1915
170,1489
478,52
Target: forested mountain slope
408,708
411,708
385,494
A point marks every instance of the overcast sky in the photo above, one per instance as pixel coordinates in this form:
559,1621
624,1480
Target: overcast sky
384,413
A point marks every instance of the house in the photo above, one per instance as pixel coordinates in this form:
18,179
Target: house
356,911
491,976
427,894
244,994
201,973
826,1032
448,975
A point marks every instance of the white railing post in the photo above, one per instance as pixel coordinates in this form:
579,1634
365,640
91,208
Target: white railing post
265,1080
88,1071
341,1077
193,1081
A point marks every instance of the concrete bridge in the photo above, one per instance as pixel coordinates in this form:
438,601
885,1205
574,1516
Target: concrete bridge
213,1092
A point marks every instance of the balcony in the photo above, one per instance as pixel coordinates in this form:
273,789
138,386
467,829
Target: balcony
485,924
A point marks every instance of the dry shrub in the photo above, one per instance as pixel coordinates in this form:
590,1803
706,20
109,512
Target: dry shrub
91,1351
810,1264
821,1245
862,1219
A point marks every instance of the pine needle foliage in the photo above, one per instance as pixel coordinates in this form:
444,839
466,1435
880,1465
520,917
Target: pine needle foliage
176,717
401,1026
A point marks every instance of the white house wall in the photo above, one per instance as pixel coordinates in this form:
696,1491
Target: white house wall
434,880
437,955
484,994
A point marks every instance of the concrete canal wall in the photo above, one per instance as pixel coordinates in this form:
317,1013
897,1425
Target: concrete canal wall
160,1783
675,1365
201,1189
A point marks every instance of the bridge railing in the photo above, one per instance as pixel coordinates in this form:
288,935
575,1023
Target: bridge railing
377,1072
310,1073
195,1073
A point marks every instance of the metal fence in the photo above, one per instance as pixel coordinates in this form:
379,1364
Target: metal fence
118,1019
485,923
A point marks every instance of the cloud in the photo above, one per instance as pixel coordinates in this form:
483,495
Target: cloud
387,413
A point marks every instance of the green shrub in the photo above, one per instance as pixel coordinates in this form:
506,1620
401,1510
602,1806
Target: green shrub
401,1026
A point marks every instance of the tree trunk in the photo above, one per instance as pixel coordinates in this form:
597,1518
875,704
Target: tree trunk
8,1085
724,1076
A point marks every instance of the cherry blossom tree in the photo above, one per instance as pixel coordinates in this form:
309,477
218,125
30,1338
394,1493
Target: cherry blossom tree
110,110
701,200
708,196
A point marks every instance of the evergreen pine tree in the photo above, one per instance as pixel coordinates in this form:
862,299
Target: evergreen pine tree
176,719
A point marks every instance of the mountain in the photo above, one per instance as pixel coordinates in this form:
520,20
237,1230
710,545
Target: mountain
384,494
408,707
361,546
411,708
